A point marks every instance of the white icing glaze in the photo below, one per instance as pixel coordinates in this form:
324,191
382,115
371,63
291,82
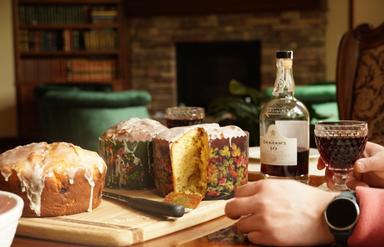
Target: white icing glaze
33,184
6,175
213,130
88,174
229,131
36,161
91,197
175,133
71,172
134,129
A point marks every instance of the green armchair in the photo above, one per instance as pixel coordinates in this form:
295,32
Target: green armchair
81,116
320,98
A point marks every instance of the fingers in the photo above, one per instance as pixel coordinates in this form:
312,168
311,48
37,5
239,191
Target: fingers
372,149
252,226
245,202
353,183
373,163
357,175
241,206
248,189
320,164
248,224
261,238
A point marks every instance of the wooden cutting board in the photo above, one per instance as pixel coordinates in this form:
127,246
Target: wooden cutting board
115,224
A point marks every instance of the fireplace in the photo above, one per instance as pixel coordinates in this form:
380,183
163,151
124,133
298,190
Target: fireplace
204,69
160,62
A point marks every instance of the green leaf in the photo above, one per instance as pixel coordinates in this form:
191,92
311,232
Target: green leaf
237,88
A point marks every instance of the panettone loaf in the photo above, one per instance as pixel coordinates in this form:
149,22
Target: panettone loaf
180,160
127,150
53,179
206,159
228,160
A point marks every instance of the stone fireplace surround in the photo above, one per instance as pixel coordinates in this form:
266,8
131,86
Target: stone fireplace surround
152,46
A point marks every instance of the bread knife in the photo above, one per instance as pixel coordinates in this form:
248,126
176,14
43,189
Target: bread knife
157,208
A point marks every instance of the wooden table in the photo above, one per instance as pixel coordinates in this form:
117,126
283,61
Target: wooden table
216,232
193,236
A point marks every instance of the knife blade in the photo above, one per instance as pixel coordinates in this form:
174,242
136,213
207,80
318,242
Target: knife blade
162,209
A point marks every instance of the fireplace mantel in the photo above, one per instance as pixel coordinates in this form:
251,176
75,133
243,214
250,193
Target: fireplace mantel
148,8
156,27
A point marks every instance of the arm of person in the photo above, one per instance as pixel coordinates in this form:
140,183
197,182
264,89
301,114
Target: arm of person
369,230
281,212
289,213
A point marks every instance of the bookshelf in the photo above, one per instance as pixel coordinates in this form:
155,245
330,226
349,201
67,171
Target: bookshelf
66,42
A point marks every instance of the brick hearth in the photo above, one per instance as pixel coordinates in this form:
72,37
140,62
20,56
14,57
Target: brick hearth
152,46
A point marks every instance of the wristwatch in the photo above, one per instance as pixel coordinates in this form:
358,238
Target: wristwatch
341,216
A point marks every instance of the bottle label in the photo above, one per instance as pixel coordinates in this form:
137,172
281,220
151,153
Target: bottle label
276,149
298,129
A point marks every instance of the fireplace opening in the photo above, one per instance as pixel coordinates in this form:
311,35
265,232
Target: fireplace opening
205,69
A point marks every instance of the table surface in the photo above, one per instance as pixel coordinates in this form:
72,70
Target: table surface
194,236
216,232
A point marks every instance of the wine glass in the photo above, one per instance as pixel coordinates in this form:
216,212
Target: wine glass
340,144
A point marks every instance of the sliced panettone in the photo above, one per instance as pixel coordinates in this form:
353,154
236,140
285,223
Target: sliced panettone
205,159
181,159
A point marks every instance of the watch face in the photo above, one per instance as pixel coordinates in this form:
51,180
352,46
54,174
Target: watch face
341,213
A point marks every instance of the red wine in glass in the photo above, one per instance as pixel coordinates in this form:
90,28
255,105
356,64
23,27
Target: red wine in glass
340,144
340,152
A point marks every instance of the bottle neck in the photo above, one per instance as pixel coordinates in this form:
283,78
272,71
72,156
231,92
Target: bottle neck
284,84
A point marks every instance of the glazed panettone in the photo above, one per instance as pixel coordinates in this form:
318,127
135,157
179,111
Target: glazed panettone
127,150
53,179
205,159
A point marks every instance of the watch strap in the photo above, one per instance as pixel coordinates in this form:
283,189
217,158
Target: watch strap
341,237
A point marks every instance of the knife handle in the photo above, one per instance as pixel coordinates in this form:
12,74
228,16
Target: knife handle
156,207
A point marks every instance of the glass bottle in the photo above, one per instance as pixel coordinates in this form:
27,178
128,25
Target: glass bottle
284,127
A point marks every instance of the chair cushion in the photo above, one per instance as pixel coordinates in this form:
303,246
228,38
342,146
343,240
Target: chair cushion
80,116
83,126
314,93
83,98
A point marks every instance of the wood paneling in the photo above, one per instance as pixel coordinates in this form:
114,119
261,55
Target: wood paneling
145,8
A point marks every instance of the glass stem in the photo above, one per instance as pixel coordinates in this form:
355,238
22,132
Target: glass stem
339,180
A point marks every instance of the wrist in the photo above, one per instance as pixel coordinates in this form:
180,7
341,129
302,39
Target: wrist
341,215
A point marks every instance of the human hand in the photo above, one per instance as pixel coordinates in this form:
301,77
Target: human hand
281,212
368,171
